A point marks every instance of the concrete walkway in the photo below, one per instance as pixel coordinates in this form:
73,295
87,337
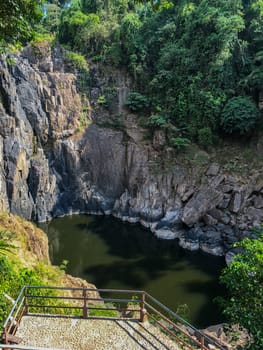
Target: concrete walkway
91,334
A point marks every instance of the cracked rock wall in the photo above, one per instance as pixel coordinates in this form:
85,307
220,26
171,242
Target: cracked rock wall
50,165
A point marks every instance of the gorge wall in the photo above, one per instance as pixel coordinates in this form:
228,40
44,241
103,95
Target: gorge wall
62,152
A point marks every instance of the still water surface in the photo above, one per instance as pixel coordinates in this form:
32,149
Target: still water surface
113,254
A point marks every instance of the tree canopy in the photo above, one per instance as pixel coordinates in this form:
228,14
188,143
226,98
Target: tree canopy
189,58
192,60
17,18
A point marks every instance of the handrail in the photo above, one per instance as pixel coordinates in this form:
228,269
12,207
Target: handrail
184,322
87,289
175,315
87,304
14,306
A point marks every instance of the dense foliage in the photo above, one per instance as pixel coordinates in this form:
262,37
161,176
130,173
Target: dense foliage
19,264
76,61
12,279
243,278
239,115
17,18
194,61
190,59
136,102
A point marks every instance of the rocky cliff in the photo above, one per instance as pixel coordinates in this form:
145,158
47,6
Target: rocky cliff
63,152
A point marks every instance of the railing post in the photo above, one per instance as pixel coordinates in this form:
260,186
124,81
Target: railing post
143,311
85,309
25,303
5,335
202,342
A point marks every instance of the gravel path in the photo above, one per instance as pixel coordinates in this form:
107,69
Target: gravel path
79,334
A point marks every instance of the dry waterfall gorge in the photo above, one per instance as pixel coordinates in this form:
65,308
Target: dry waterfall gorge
61,153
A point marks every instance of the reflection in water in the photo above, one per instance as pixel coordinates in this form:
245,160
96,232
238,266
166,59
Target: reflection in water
112,254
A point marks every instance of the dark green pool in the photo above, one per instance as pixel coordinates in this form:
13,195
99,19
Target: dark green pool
112,254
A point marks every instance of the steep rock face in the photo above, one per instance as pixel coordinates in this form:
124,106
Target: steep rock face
52,164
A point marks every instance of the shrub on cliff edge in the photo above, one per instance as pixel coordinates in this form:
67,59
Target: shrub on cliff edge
243,278
239,115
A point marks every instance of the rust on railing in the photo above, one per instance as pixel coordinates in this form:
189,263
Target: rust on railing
88,303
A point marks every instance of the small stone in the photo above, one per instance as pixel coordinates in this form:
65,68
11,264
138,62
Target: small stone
236,202
209,220
258,202
213,169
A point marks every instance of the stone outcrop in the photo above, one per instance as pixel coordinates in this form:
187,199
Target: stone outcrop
53,164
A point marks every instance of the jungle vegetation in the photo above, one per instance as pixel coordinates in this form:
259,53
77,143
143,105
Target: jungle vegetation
243,278
197,66
197,70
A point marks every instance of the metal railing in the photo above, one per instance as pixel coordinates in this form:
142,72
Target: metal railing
18,310
104,303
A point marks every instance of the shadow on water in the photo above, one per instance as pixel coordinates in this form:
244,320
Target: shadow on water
127,241
113,254
211,309
135,274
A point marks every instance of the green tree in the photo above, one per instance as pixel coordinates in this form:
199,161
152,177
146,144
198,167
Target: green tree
243,278
92,6
17,18
72,21
189,58
205,137
239,115
252,36
136,102
131,43
157,4
52,18
76,61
